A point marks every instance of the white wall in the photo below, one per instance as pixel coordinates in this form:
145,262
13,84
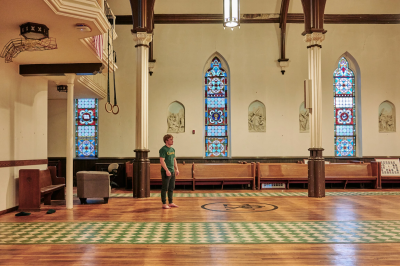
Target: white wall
23,127
57,130
252,51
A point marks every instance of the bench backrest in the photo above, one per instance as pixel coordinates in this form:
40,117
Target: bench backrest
224,170
185,170
282,169
348,169
44,178
129,169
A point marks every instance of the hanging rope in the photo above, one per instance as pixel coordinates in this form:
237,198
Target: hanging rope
115,91
108,75
114,54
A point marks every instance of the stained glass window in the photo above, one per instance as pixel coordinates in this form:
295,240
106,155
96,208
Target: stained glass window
216,110
344,110
86,127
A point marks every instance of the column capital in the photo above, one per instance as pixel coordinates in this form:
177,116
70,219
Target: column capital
70,78
314,39
142,38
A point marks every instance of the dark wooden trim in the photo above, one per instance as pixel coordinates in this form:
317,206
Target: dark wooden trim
60,69
22,162
145,45
258,18
282,25
12,209
313,15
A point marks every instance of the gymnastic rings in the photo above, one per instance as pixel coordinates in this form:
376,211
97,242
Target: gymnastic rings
114,108
111,107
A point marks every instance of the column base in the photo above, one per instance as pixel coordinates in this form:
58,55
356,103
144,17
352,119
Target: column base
316,173
141,174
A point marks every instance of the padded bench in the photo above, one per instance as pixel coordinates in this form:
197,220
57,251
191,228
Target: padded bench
185,176
334,173
35,184
224,174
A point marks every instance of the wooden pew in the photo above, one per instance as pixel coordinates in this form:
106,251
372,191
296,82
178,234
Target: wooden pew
128,173
334,173
224,174
281,173
353,173
185,176
35,184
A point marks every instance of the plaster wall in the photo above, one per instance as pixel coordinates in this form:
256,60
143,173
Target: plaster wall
181,52
57,130
23,128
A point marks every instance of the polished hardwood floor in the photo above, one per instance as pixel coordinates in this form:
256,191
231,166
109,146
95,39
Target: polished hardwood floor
290,208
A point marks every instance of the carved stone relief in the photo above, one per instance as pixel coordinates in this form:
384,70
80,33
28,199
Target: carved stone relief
176,118
304,125
257,117
387,117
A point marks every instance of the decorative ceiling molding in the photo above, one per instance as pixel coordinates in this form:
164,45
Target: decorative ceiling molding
86,10
266,18
89,83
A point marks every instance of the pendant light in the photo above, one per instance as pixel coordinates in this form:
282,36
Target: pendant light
231,13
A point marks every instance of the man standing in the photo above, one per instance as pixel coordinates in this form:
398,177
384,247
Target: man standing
169,168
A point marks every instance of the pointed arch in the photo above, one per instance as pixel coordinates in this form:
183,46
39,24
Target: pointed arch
347,107
216,87
176,118
387,117
257,116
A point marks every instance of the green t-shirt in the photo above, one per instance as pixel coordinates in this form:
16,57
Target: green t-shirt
168,154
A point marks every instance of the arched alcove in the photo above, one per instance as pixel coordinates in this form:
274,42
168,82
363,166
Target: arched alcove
176,118
304,123
387,117
257,117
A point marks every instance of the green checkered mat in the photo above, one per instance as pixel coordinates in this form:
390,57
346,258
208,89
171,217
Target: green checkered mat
256,194
200,233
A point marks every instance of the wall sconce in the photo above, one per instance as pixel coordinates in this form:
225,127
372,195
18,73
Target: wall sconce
34,31
231,13
62,88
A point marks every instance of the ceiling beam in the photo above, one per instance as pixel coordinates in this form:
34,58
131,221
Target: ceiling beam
266,18
142,17
282,25
313,16
60,69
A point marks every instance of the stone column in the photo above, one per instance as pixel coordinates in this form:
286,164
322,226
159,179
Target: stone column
70,141
141,176
316,164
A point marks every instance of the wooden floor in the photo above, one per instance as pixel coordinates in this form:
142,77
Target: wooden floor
293,208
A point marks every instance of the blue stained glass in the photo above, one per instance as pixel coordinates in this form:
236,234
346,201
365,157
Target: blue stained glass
344,130
86,127
86,131
216,102
216,130
344,109
216,147
86,103
345,146
343,69
216,106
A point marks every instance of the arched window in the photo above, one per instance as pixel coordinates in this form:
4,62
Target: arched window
86,127
216,110
345,110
